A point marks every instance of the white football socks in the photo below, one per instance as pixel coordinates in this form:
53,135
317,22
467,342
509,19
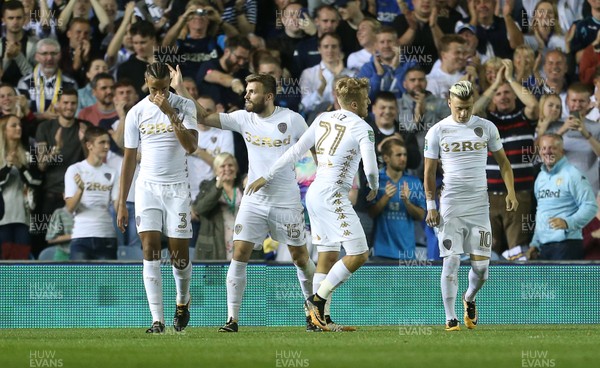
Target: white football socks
336,276
153,285
305,276
449,285
477,275
236,284
182,283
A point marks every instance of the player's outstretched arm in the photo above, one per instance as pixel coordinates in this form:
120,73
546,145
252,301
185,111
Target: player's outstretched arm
127,171
203,116
433,216
293,154
507,175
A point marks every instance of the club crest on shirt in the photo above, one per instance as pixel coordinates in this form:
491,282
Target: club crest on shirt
282,127
138,220
371,136
213,139
108,176
478,131
447,243
559,182
176,110
238,229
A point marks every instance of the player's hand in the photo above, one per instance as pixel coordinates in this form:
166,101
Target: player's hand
511,202
256,185
558,224
122,217
433,218
372,194
176,78
163,104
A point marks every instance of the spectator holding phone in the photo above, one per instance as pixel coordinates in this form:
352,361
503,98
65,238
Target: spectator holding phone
581,136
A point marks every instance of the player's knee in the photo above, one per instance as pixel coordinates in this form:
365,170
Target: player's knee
450,267
481,268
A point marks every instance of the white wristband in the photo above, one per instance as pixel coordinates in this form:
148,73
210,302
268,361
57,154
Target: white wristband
431,205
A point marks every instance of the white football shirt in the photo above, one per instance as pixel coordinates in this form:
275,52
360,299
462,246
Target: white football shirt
163,156
214,141
463,150
92,218
267,139
340,138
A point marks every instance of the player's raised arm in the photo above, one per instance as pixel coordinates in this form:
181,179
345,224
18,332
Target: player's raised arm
203,116
507,175
293,154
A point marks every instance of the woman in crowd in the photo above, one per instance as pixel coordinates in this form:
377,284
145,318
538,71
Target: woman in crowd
217,205
16,183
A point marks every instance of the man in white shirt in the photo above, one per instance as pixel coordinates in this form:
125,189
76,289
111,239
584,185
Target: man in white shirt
164,125
90,187
340,139
461,142
268,131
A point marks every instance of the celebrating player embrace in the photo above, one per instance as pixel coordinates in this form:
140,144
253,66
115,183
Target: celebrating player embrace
461,141
340,139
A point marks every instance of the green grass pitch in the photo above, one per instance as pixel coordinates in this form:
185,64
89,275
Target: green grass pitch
488,346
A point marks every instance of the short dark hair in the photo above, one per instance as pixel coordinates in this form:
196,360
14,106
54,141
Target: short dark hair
12,5
143,28
386,147
238,41
416,68
124,82
268,82
99,76
68,91
579,87
91,133
385,96
79,20
330,34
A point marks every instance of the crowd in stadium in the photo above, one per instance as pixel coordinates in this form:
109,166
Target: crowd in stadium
68,65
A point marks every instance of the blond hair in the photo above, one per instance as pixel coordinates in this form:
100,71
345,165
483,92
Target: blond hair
221,158
462,90
543,100
351,89
21,154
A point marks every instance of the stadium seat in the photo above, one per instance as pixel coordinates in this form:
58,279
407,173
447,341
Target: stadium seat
129,253
48,253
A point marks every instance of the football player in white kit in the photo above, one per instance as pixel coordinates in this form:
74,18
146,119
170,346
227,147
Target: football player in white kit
340,138
165,127
461,142
268,130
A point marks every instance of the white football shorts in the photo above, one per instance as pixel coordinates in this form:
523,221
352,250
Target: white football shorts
465,234
254,223
163,207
